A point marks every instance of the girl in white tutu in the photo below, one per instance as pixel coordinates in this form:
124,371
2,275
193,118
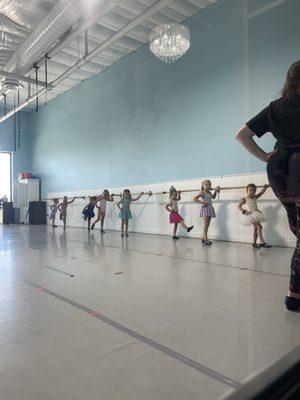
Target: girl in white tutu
252,215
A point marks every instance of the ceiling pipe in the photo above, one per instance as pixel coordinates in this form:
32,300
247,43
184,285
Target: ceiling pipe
114,38
25,79
83,25
60,18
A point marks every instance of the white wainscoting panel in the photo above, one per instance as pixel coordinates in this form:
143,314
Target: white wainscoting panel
150,216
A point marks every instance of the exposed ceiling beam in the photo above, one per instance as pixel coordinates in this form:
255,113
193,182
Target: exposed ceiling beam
114,38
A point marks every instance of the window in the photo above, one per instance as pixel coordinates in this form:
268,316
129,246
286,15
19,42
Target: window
5,175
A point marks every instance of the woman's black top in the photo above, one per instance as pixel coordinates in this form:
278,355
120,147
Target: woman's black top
281,118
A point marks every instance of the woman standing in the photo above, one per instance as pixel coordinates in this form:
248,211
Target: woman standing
282,119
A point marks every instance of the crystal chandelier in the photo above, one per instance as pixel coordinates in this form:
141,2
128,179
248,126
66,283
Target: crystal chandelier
169,41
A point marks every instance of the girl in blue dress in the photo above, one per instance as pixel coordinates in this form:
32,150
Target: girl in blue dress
88,211
124,207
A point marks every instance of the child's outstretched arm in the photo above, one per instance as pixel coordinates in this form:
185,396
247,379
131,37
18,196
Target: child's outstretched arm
216,192
263,190
72,201
139,196
118,205
52,207
59,206
96,203
111,198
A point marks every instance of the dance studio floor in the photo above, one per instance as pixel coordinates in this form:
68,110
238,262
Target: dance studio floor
143,318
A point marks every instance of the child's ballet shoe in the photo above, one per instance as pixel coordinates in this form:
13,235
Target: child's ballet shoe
292,303
189,228
92,227
265,245
175,237
126,234
256,246
207,242
102,231
122,234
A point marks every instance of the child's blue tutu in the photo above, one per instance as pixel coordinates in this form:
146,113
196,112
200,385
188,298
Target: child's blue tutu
125,214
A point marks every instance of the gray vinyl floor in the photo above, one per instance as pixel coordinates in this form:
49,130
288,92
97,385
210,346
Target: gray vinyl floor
91,316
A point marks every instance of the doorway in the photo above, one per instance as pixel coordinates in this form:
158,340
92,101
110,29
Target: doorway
5,180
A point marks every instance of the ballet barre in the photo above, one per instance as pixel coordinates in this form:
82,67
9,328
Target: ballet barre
199,190
133,194
69,197
150,193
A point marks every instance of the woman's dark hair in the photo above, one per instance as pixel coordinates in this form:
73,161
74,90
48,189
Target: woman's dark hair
292,82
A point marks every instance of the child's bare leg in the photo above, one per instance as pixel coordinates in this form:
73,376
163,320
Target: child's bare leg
182,223
96,220
102,222
175,229
260,234
126,227
255,233
89,223
64,220
205,227
122,227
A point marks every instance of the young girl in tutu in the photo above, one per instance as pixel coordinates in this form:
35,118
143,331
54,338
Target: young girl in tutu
101,202
88,211
124,207
53,209
63,209
252,215
175,217
207,211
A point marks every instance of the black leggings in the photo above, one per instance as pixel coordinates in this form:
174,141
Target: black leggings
284,178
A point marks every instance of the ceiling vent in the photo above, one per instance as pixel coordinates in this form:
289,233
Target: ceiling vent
11,84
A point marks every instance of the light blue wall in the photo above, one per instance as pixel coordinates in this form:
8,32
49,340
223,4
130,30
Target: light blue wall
145,121
21,158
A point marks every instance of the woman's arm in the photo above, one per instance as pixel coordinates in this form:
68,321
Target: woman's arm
178,195
245,137
263,190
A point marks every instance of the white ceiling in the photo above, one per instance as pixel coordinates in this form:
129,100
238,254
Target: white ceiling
18,21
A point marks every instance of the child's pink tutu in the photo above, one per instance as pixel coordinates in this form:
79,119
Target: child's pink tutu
175,217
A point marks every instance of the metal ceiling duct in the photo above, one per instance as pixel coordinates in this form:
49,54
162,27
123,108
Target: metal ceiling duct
57,22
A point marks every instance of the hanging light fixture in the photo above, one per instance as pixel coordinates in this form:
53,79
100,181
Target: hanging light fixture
169,41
